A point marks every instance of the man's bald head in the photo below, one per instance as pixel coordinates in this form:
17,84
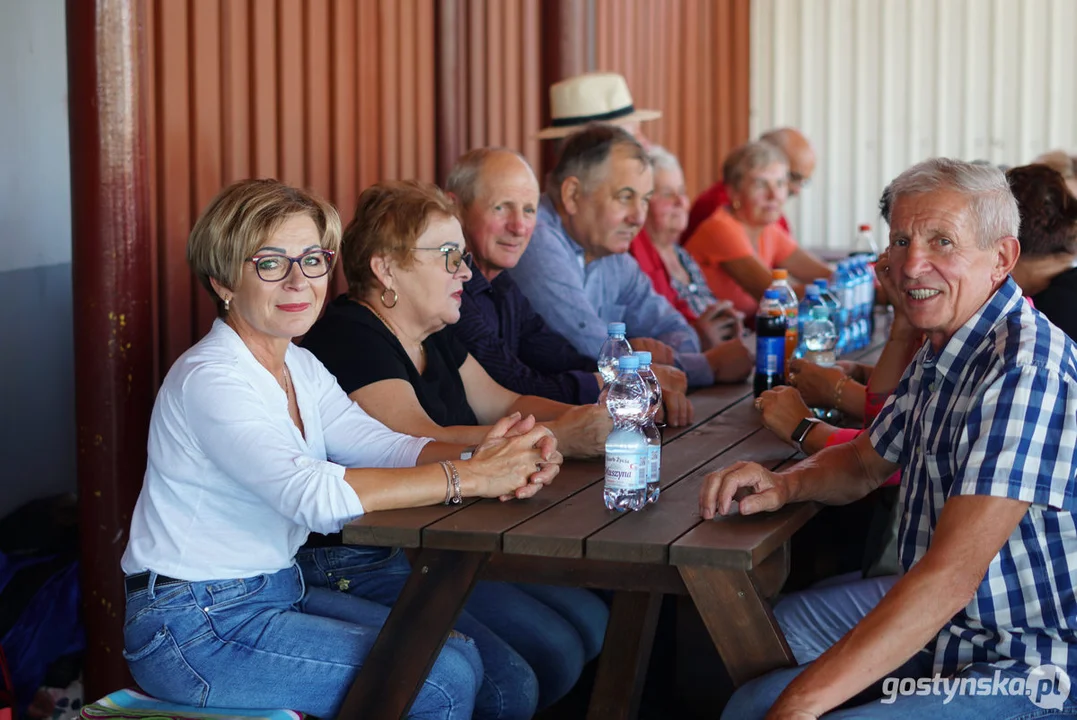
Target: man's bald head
798,151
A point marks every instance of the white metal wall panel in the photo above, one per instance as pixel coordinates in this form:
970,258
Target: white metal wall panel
878,85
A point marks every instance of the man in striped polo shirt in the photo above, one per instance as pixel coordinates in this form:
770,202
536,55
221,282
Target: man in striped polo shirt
983,620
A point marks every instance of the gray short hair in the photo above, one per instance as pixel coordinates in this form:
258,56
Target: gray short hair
463,180
993,205
585,154
750,156
662,159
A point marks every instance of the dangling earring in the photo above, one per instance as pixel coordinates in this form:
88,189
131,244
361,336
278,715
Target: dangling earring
227,301
736,204
396,298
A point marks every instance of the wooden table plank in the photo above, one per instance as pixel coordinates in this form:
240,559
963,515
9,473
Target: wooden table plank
740,542
480,526
562,530
708,402
397,528
645,537
580,572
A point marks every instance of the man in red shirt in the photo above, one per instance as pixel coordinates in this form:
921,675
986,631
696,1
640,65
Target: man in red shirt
801,159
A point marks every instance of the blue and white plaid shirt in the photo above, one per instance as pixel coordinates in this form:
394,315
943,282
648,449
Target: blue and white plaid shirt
995,413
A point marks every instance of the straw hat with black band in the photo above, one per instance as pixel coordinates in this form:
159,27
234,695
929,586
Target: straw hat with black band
591,97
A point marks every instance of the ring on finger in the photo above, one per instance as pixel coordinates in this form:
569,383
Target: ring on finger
759,403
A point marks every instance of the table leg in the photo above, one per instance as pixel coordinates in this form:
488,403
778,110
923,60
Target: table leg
739,621
420,621
626,651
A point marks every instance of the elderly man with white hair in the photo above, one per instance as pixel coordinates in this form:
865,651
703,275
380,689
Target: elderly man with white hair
984,430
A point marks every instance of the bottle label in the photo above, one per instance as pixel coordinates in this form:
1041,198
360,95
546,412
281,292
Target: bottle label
770,355
625,471
655,463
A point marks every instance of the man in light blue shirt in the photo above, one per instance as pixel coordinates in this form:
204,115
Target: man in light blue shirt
577,272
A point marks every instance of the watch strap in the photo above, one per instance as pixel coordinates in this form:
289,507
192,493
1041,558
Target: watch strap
801,431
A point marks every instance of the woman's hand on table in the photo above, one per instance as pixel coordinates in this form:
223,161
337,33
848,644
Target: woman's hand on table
815,382
731,361
581,431
515,459
756,489
783,408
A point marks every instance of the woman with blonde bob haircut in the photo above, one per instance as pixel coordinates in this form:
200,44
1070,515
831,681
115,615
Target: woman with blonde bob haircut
252,447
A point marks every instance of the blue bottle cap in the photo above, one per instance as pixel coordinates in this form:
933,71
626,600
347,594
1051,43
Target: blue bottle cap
628,362
811,290
644,357
616,328
822,284
772,294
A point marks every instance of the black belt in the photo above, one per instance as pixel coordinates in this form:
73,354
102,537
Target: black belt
141,581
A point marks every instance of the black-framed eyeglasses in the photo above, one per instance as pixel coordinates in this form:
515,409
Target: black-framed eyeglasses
454,257
274,267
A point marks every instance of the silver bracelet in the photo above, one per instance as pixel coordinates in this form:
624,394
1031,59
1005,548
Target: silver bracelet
457,498
448,480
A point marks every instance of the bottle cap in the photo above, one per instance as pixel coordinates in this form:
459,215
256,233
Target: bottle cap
772,295
864,228
822,284
811,290
779,274
644,357
819,313
616,328
628,362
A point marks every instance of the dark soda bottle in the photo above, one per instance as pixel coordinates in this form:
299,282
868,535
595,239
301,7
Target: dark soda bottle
770,326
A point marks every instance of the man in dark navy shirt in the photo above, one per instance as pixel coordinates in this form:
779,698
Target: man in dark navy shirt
499,195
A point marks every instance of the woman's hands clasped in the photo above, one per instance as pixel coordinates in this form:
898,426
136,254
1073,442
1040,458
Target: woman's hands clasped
515,459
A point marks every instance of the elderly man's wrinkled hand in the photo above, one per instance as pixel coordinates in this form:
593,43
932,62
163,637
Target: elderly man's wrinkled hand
756,489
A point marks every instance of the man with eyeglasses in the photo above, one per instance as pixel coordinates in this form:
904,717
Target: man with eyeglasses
577,272
798,153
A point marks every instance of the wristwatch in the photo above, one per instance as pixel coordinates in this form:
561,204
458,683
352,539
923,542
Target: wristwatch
467,453
802,431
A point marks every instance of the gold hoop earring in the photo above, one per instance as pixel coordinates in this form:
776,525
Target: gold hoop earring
396,298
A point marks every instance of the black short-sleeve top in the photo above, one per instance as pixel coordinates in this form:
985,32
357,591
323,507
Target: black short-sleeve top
360,350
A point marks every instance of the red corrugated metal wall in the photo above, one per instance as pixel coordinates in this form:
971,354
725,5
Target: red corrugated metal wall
332,95
336,94
689,59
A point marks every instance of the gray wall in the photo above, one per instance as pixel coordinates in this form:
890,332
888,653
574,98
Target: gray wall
37,383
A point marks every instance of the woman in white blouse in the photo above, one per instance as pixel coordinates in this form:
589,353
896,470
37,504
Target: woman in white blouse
252,446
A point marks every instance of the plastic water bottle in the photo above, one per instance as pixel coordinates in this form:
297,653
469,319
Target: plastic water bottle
628,403
833,306
769,343
790,306
812,299
650,429
820,338
864,243
843,289
612,349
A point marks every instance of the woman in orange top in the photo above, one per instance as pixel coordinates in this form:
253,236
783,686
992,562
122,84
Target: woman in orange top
741,243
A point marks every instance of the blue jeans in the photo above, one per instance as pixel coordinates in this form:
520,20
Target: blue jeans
534,639
815,619
269,642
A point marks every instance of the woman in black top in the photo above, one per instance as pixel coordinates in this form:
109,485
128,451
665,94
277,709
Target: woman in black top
389,342
1048,238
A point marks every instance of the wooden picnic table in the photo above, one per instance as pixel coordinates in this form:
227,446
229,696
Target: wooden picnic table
566,536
